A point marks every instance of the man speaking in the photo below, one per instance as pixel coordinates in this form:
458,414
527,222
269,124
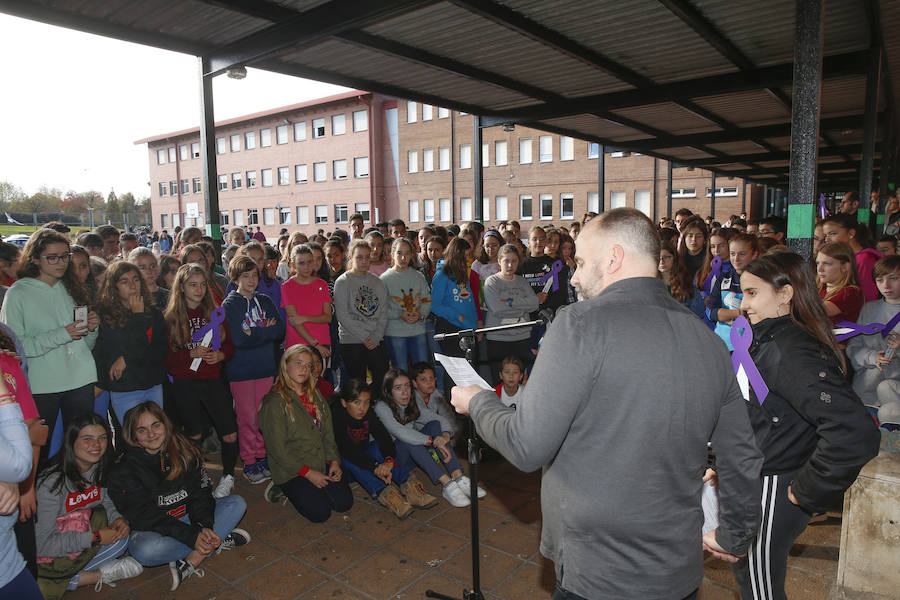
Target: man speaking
627,389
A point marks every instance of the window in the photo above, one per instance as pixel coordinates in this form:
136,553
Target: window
444,158
185,186
412,161
485,154
684,192
173,188
321,213
414,207
642,201
266,179
302,215
250,140
500,153
465,209
428,209
236,142
221,147
593,202
525,207
161,156
361,166
546,206
363,209
500,208
360,120
339,169
163,221
268,216
197,186
236,181
616,199
427,112
223,217
318,126
163,189
183,152
443,113
319,171
410,112
593,150
566,148
238,217
172,154
251,179
284,216
525,151
252,216
338,124
176,220
300,131
465,156
486,209
566,206
265,138
444,208
281,135
301,174
284,176
722,191
223,182
545,144
195,150
428,160
341,213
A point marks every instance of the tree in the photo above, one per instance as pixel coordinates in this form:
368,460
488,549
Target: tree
37,203
9,193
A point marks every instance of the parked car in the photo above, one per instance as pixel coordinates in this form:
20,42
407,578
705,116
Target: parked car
19,239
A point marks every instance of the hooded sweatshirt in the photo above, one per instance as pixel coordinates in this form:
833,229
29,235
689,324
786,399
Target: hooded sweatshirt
865,262
38,314
143,345
253,341
453,301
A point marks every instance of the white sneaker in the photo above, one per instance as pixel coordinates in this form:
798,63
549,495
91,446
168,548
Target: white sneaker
114,570
226,484
455,495
465,484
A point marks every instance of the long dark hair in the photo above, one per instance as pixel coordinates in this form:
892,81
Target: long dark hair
35,246
63,465
680,285
455,260
696,222
807,309
351,390
182,453
403,414
110,306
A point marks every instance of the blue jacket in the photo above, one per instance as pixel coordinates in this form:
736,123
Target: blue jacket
451,301
254,350
272,289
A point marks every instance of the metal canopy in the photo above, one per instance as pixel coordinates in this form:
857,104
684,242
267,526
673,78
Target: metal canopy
702,83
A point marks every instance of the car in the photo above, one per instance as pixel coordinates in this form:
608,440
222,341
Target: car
19,239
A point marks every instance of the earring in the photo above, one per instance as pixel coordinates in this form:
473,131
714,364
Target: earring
778,310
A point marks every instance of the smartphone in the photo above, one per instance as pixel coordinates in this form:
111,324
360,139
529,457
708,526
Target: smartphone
81,316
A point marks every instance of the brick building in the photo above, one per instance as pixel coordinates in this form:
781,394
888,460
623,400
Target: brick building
311,165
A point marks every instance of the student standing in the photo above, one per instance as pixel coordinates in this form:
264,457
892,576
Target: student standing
409,305
307,304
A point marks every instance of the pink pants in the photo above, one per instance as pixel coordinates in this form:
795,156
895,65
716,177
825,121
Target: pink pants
247,397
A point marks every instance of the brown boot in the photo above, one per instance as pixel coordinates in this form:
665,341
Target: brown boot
416,495
391,498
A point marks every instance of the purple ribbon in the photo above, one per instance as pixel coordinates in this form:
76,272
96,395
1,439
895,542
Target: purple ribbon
555,268
868,329
741,338
216,318
716,266
823,210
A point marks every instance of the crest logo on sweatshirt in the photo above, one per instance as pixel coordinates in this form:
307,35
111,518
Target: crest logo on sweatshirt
366,301
82,498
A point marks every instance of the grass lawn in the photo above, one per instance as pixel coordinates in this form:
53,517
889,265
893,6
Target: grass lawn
11,229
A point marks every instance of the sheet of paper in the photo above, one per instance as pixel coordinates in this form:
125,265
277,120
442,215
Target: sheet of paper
710,502
461,371
206,341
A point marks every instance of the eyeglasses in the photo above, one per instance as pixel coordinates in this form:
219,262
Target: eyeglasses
53,259
762,233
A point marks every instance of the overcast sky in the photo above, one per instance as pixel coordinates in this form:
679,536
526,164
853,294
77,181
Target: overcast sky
73,104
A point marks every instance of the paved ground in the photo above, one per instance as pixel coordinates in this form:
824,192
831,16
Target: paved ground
367,553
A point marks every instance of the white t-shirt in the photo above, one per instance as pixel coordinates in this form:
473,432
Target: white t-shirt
508,400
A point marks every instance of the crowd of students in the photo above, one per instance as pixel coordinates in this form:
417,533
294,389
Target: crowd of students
266,352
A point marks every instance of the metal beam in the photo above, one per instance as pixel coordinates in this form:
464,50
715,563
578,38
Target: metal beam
208,152
669,190
870,123
784,155
712,197
478,173
261,9
601,178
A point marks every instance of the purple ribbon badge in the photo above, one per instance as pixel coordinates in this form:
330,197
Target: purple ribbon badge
716,266
823,210
216,318
744,368
555,268
848,329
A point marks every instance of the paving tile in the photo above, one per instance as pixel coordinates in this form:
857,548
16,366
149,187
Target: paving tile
382,574
713,591
504,500
494,566
437,582
815,558
334,552
529,581
519,539
286,578
291,534
718,571
799,584
239,562
427,545
458,521
379,526
334,590
195,587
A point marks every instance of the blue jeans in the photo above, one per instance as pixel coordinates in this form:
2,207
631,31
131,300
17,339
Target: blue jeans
410,455
407,351
151,549
103,556
122,402
366,478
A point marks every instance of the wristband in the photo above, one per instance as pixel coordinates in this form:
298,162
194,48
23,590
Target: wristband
95,540
389,460
430,442
302,472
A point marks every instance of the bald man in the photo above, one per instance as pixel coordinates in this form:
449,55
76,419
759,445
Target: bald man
626,391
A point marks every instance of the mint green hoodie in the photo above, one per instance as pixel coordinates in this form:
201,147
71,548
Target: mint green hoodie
38,314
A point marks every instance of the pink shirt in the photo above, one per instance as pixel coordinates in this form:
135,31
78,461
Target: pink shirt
15,381
378,270
307,300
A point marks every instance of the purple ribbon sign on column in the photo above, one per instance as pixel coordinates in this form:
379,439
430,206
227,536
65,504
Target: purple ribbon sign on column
848,329
555,268
744,368
823,210
216,318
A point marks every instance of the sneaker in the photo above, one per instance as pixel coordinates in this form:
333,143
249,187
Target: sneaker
455,495
416,495
235,539
273,493
254,473
114,570
265,468
181,570
390,497
226,484
466,484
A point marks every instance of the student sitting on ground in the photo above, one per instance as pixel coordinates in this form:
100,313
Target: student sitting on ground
424,382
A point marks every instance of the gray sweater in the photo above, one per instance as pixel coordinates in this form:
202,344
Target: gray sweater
410,433
862,351
360,304
407,290
625,394
508,302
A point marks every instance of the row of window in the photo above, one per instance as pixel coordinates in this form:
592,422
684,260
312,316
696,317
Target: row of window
360,119
501,157
412,112
277,215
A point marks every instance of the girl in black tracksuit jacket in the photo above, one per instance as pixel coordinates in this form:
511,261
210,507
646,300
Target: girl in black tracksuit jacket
812,428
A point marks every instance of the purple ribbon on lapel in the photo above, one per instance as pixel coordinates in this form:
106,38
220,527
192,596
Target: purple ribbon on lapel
741,338
716,266
216,318
868,329
555,268
823,210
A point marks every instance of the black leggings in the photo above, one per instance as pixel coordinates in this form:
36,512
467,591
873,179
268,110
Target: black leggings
316,503
73,403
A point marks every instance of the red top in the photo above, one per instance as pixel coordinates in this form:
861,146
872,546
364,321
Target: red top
17,384
178,362
325,388
849,299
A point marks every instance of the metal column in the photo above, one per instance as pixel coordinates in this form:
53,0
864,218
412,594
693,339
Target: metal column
870,122
669,192
712,197
478,172
743,198
601,178
208,150
807,88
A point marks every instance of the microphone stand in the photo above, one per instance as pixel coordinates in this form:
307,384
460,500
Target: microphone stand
467,343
